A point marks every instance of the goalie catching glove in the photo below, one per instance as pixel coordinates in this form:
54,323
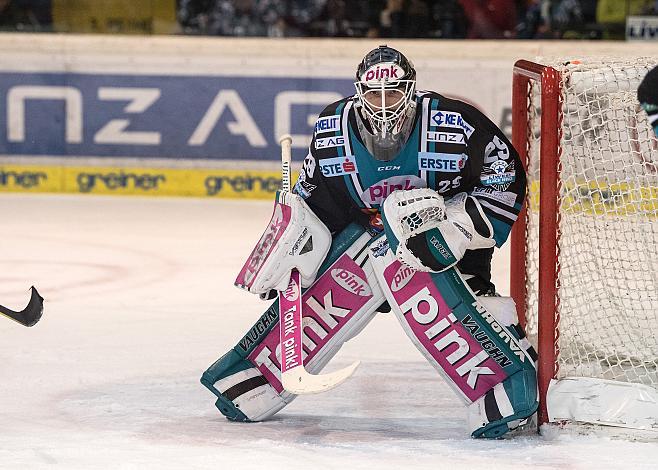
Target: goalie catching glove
430,234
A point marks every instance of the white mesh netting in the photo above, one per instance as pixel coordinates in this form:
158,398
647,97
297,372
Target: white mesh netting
608,245
423,207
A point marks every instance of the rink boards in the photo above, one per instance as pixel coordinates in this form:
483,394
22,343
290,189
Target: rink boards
191,116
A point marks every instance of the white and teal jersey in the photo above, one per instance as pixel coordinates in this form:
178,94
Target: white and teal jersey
452,148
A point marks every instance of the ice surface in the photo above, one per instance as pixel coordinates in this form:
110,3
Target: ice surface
140,301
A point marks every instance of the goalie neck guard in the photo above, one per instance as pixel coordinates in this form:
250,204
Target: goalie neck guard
385,88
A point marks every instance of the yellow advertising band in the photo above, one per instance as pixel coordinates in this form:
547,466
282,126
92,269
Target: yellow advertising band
601,198
140,181
618,199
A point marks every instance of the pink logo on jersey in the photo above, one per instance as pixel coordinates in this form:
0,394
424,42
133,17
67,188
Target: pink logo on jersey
379,191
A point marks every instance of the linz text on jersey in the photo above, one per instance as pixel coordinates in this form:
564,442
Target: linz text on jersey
447,137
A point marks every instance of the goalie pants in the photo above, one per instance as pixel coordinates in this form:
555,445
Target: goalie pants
475,266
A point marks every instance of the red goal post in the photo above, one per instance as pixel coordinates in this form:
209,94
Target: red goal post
548,78
584,252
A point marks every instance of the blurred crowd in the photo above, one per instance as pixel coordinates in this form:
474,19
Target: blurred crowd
25,15
449,19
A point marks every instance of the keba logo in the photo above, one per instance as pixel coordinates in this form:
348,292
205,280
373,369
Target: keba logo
291,291
401,277
383,72
351,282
379,191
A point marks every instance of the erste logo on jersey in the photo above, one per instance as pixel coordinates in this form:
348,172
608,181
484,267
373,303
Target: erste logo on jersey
383,72
379,191
338,166
445,162
327,142
327,124
451,119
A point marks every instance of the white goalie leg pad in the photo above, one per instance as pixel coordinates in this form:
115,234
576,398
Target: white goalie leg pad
493,406
496,405
253,393
354,325
335,309
295,238
456,339
258,403
504,311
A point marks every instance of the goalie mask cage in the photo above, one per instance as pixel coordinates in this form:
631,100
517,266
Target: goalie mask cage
584,270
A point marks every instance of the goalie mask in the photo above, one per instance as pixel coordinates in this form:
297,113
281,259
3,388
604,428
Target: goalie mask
385,88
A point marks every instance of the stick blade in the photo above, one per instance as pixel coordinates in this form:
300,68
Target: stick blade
31,314
300,382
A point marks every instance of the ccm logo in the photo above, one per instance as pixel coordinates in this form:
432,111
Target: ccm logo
388,168
351,282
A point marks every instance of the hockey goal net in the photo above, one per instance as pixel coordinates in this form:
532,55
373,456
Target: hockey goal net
584,269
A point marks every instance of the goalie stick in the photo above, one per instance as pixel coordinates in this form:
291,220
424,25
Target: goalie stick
31,314
294,377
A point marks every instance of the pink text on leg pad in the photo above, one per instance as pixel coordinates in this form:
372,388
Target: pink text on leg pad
327,306
445,339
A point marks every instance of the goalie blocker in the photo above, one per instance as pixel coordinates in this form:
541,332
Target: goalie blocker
475,347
